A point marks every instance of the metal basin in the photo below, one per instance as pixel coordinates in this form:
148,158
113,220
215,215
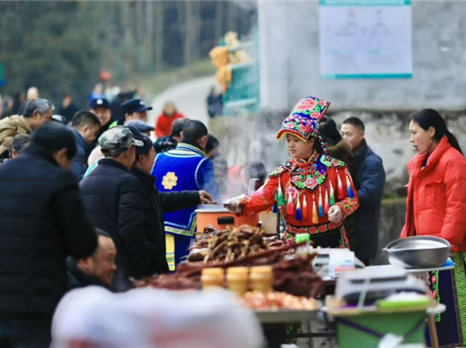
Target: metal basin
418,252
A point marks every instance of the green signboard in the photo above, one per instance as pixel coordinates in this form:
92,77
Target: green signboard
2,75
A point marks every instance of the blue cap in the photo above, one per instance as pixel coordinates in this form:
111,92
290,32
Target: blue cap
99,103
135,105
140,125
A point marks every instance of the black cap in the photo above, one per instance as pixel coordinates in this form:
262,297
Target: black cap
141,125
145,139
135,105
99,103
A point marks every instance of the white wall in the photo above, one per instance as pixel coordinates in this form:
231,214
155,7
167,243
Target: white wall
290,62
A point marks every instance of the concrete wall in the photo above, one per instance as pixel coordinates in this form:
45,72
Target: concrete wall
290,62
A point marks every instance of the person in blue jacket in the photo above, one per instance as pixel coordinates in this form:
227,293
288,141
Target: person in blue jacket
185,168
370,182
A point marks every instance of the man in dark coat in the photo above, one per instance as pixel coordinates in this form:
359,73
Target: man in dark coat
97,269
369,181
85,127
42,221
158,203
114,199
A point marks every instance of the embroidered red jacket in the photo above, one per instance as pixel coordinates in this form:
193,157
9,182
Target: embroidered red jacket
312,187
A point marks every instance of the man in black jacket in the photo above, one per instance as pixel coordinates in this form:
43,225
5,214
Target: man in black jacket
370,182
156,204
85,127
114,200
42,221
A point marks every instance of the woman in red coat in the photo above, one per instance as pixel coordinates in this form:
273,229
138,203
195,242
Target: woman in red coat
163,126
314,192
436,206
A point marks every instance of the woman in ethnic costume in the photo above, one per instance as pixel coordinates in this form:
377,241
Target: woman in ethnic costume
313,191
436,206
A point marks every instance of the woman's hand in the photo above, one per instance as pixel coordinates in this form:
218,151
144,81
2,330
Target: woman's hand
234,204
335,214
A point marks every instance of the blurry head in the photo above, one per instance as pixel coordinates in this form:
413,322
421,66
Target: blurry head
95,155
67,100
329,131
135,109
101,108
427,128
101,265
195,133
19,142
57,140
37,112
99,88
212,146
169,109
87,124
32,94
255,170
119,144
353,131
299,149
177,128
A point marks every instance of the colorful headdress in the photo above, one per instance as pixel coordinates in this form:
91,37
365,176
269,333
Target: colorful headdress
304,119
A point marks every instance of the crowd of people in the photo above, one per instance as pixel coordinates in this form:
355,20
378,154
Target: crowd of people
88,199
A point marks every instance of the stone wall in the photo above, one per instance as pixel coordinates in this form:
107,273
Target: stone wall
245,139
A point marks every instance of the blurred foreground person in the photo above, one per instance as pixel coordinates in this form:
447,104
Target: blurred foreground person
170,142
158,203
184,169
36,113
97,269
94,317
163,126
85,127
114,199
43,221
18,144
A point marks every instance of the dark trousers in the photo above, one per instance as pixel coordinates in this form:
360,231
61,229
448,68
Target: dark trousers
24,334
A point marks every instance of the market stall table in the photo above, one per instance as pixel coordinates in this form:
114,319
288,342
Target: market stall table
422,273
275,323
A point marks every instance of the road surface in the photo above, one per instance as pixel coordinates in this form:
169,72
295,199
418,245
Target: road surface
189,98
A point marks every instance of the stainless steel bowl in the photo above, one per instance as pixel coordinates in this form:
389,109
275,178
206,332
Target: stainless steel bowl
418,252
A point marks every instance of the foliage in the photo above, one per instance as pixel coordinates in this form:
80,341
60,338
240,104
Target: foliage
60,46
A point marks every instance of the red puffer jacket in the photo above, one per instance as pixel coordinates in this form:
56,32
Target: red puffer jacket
436,204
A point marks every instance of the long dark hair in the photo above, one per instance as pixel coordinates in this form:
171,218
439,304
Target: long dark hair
329,132
430,118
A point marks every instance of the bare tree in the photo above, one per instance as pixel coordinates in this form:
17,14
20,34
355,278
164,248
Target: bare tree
159,34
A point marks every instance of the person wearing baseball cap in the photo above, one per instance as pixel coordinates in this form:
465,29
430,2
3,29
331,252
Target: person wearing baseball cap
114,199
101,108
159,203
135,109
144,127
